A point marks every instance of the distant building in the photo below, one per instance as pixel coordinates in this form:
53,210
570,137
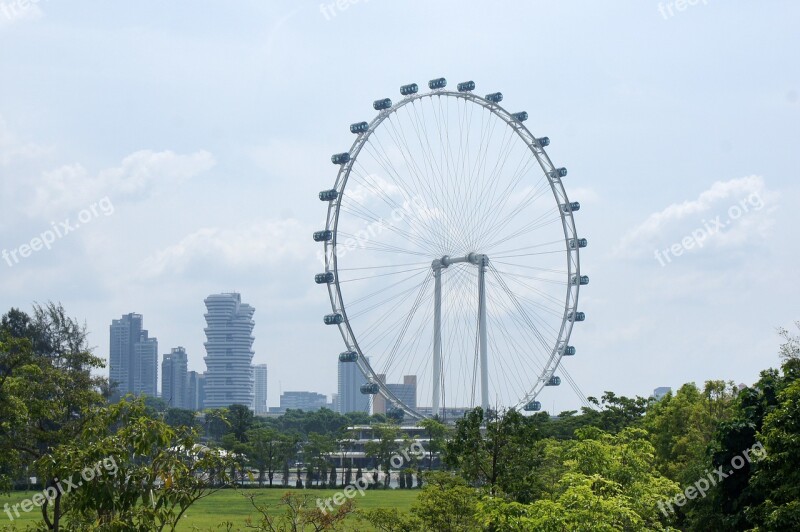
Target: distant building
175,379
195,391
260,378
145,377
132,357
349,396
229,353
660,392
306,401
405,392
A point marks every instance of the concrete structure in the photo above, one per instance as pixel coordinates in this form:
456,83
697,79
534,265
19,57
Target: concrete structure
145,377
349,396
195,391
306,401
174,379
260,395
229,353
124,333
661,391
405,392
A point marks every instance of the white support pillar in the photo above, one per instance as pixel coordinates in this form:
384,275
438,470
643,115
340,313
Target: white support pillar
483,260
437,336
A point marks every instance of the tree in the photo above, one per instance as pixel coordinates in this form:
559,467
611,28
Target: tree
151,473
437,434
487,459
264,452
241,420
47,389
383,448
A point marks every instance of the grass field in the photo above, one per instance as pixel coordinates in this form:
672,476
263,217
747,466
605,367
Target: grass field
232,506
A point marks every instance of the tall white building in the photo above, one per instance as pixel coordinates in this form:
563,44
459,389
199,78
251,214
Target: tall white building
260,377
175,378
229,351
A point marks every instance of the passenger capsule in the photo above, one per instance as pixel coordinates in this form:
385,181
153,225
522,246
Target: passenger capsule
324,278
466,86
323,236
578,243
569,351
520,117
328,195
359,127
495,97
544,141
571,207
554,381
333,319
558,172
576,316
382,104
582,280
411,88
340,158
438,83
369,389
348,356
533,406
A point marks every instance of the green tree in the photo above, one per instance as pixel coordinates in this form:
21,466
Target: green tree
437,438
383,447
135,473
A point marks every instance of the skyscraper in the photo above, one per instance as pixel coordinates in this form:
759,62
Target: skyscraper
145,377
260,376
175,379
196,392
349,397
132,357
124,334
229,353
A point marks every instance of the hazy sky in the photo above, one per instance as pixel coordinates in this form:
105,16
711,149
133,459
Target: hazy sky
188,140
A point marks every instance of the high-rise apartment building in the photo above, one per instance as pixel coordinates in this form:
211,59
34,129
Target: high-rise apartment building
195,391
145,377
349,397
175,379
132,357
260,394
229,351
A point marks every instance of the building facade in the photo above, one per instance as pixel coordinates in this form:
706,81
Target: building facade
260,395
196,391
175,379
349,396
132,357
229,351
306,401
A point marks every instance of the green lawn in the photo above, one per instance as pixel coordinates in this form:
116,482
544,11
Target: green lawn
231,505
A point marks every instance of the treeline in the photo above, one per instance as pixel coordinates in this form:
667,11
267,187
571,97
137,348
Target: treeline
712,457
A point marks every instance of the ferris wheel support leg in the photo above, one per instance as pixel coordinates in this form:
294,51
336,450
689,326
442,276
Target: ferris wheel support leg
437,339
482,331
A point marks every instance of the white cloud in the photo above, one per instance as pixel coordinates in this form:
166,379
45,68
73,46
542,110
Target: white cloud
72,186
12,11
261,244
748,194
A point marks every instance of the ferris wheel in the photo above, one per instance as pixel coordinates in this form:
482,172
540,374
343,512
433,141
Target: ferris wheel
450,255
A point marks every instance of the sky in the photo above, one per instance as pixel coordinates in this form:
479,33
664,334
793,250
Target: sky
187,141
